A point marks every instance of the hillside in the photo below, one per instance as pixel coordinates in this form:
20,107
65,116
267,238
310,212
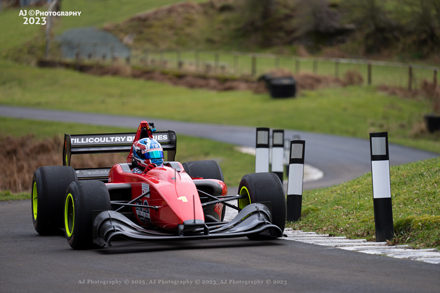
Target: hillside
331,28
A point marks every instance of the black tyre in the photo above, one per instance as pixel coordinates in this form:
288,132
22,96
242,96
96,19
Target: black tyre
207,169
264,188
82,198
49,186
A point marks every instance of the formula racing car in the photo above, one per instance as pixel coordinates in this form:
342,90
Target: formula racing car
173,201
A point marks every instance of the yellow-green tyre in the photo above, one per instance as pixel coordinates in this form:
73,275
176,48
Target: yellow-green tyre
82,198
265,188
49,186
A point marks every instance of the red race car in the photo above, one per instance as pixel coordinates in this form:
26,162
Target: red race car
174,201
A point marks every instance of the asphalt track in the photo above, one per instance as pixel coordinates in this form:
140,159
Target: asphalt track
32,263
340,158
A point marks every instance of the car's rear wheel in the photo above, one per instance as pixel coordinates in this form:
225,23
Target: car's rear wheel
264,188
49,186
82,198
206,169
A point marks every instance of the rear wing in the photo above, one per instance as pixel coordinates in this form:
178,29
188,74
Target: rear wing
76,144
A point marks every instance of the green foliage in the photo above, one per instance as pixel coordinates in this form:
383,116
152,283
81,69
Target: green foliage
421,20
347,209
374,25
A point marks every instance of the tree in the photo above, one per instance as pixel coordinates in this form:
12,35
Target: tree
422,25
373,22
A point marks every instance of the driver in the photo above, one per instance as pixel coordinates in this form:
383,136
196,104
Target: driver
147,154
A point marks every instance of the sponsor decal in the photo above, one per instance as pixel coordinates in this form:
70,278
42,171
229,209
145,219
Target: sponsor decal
103,139
143,213
112,139
93,172
145,189
160,137
183,198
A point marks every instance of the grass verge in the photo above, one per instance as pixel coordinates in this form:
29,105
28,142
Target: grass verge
347,209
348,111
6,195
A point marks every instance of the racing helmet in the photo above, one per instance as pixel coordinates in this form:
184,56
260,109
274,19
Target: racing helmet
147,151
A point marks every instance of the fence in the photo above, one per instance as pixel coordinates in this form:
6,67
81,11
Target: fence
254,65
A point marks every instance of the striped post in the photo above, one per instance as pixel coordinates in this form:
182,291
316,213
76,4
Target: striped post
380,172
262,150
278,153
295,183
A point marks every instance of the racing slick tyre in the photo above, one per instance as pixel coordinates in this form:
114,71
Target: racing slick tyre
208,169
264,188
49,186
82,198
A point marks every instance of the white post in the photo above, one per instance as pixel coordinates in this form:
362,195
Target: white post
295,183
380,172
278,153
262,150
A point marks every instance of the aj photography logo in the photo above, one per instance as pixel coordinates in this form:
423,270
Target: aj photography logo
40,17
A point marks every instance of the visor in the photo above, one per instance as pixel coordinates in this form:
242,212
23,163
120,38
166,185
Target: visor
154,155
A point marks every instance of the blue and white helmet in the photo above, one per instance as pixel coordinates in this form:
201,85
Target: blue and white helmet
147,151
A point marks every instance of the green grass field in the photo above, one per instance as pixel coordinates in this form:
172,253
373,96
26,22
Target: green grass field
347,209
348,111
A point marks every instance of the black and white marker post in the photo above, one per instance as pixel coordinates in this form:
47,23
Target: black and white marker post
380,172
262,150
295,183
278,153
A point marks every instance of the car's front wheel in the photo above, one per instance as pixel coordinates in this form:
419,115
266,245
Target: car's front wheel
82,198
264,188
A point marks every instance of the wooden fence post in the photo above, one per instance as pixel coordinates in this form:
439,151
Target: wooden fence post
315,66
369,73
337,68
217,57
94,51
254,65
410,78
236,63
196,60
297,65
435,78
277,62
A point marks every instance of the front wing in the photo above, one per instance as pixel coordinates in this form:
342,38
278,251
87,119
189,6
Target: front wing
253,219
